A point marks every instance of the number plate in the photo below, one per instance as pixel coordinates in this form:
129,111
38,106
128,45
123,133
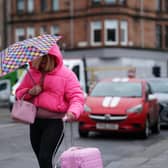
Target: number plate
107,126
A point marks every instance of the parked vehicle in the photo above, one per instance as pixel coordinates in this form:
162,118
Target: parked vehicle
5,88
160,89
120,105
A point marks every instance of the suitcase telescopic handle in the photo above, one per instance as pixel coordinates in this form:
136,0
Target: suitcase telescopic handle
56,165
71,130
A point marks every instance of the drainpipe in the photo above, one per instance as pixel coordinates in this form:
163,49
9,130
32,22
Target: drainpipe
142,22
71,24
4,40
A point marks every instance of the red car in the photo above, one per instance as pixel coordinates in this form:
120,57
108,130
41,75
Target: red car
120,105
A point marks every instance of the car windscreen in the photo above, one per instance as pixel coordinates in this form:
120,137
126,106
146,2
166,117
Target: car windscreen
118,89
159,86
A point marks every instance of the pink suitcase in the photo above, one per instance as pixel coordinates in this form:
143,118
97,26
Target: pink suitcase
79,157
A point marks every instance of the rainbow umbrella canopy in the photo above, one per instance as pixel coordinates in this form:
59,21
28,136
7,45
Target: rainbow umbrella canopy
23,52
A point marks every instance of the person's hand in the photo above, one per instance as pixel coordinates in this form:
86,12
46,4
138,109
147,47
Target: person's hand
35,90
69,116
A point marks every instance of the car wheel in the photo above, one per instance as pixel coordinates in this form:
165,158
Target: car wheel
156,127
146,132
164,115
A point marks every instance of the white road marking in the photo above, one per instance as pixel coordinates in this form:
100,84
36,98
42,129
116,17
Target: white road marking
106,101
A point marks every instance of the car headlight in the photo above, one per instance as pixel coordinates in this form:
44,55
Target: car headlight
13,92
136,109
87,108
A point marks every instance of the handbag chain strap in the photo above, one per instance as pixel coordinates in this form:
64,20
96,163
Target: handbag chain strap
31,76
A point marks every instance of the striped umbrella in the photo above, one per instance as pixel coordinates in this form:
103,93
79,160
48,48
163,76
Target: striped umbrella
23,52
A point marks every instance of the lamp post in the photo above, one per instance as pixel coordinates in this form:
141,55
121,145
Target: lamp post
71,24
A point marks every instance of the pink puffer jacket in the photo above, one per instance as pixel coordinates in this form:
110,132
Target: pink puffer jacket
61,89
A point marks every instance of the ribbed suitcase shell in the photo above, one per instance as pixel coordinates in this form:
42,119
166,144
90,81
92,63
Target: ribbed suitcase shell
78,157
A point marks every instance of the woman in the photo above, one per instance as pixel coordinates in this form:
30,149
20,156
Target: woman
57,91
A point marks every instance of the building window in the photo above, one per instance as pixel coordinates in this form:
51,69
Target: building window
20,34
43,5
122,2
55,5
96,2
20,6
111,1
123,32
30,32
111,32
166,5
43,29
96,32
55,30
30,6
158,36
166,36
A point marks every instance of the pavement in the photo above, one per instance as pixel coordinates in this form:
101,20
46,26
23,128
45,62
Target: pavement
155,156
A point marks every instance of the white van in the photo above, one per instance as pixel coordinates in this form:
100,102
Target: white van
12,94
5,89
77,66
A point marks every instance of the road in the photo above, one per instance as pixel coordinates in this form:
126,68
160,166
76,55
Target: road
16,152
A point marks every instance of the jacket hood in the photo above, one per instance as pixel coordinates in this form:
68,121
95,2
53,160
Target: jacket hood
55,51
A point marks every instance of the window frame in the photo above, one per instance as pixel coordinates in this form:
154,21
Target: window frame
96,25
112,2
30,6
30,31
96,2
18,9
43,29
43,5
114,25
55,5
53,28
122,2
19,32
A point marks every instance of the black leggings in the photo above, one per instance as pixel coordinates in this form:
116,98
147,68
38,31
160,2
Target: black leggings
45,136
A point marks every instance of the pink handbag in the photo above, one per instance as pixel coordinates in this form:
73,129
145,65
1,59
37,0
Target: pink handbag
23,111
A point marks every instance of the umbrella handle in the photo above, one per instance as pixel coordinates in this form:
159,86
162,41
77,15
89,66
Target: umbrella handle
31,76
